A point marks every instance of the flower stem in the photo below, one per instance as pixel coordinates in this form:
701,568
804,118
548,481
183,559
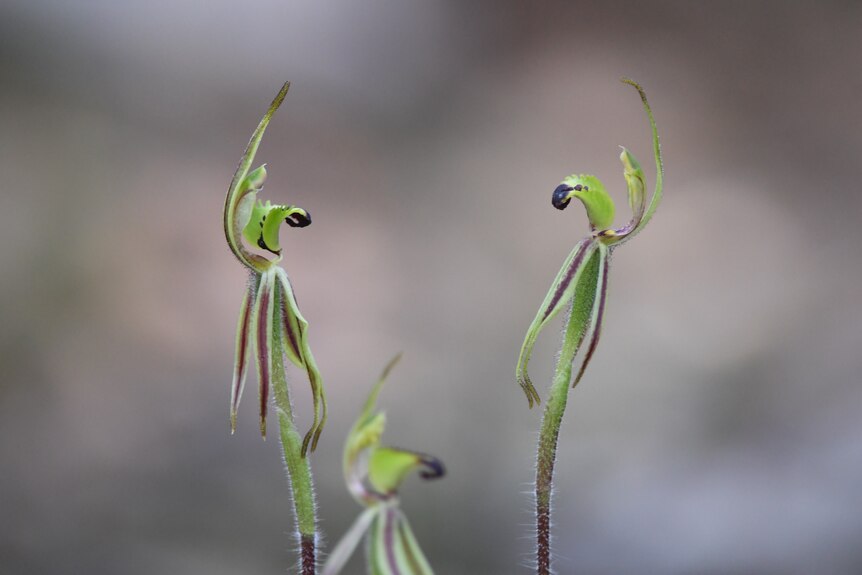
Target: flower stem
553,416
298,467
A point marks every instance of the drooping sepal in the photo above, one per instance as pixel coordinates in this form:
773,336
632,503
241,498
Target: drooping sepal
592,314
244,338
560,294
297,349
393,549
262,317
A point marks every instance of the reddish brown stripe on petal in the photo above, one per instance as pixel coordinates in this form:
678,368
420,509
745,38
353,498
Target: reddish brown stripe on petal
263,351
567,278
597,328
241,352
389,540
291,333
241,361
242,364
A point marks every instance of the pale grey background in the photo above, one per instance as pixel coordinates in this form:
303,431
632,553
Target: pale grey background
718,429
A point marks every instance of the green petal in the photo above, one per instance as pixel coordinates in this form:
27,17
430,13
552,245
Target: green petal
558,297
244,338
411,550
589,309
262,325
295,344
636,184
392,549
257,213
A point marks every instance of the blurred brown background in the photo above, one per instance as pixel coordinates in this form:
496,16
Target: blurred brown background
718,429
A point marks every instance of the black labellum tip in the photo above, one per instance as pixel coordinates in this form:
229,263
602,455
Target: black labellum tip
559,199
298,220
433,468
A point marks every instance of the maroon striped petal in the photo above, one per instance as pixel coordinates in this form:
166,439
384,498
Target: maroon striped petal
390,525
243,341
558,297
263,318
296,347
598,314
565,280
291,323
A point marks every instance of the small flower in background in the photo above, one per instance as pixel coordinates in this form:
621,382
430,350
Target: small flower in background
373,474
269,316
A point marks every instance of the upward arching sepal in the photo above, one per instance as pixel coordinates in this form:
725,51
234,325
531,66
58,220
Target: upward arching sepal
239,201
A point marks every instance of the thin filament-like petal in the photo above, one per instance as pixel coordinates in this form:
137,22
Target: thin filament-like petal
558,296
263,317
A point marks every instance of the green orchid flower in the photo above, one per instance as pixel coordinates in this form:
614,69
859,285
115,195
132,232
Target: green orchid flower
373,474
582,286
269,311
585,271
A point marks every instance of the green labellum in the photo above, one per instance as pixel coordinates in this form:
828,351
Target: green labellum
265,221
599,205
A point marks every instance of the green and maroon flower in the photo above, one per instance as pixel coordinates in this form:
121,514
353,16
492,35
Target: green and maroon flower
373,474
269,311
583,279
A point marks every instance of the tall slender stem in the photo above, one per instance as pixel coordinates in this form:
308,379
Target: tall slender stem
553,416
298,467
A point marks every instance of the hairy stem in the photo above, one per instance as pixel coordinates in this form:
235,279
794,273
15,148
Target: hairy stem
298,467
554,410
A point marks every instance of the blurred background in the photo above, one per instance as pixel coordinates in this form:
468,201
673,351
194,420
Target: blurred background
718,429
